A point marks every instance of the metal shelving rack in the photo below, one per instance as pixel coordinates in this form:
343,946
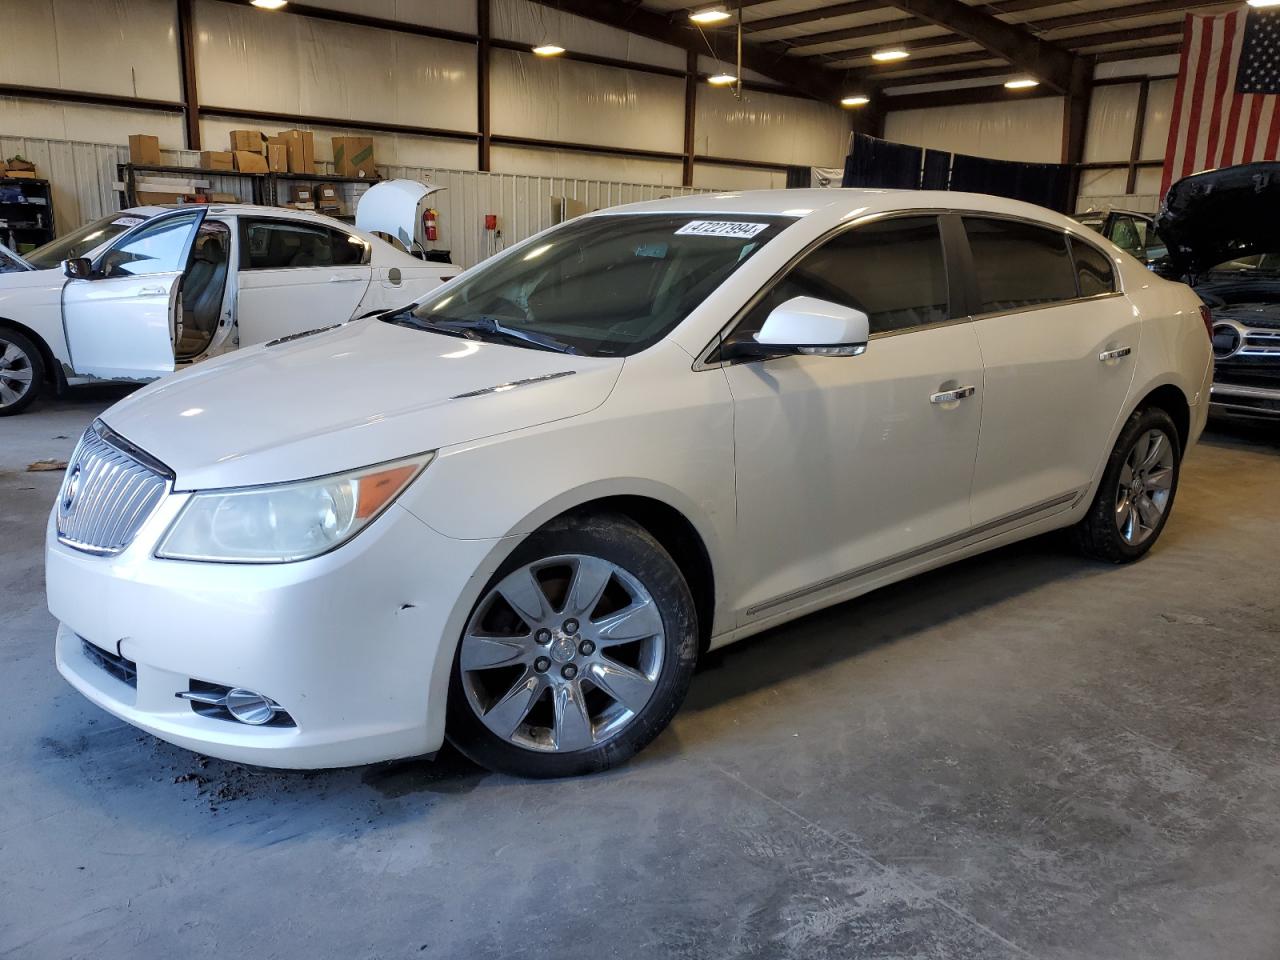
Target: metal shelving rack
128,174
27,223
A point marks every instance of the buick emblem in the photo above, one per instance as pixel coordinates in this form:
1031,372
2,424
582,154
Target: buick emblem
73,487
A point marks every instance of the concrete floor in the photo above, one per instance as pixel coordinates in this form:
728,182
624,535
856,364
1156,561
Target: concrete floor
1024,755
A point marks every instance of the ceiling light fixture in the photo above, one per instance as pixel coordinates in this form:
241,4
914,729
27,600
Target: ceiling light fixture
890,55
1264,3
722,79
855,100
548,50
1024,83
269,4
709,15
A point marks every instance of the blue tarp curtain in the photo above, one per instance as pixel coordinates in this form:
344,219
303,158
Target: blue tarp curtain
873,162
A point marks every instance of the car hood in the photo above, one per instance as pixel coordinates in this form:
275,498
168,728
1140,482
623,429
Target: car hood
346,397
1209,218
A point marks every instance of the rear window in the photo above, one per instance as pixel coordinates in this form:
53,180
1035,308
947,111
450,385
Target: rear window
1019,264
1094,273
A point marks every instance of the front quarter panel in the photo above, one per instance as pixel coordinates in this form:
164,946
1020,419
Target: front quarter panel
665,432
33,299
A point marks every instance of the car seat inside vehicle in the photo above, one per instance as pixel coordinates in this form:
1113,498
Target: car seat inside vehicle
203,287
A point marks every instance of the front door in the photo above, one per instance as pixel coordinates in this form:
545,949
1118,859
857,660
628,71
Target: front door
296,276
849,466
120,324
1059,344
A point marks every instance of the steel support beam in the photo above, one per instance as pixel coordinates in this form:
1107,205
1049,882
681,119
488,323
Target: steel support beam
1049,63
483,121
187,71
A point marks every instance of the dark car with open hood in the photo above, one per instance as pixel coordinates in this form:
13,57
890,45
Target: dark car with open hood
1222,228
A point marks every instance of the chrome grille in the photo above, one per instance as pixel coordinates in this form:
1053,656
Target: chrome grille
110,489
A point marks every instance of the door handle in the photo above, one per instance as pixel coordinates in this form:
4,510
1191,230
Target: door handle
343,279
151,291
1116,354
951,396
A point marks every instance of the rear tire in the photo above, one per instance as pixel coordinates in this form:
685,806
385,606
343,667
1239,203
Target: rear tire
578,653
21,372
1136,494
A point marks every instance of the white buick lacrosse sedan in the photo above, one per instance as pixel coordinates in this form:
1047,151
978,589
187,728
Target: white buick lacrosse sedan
516,512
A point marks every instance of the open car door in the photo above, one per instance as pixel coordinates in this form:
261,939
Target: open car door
121,320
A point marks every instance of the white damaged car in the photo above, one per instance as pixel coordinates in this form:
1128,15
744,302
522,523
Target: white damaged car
516,512
140,293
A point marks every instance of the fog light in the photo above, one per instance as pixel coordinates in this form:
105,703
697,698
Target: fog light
249,707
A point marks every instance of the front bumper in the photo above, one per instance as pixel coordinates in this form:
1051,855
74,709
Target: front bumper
1245,401
356,645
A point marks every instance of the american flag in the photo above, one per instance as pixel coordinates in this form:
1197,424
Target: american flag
1226,107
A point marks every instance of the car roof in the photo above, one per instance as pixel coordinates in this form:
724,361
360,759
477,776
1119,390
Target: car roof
844,201
241,210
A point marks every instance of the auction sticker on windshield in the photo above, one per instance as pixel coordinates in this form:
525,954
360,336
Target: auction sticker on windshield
720,228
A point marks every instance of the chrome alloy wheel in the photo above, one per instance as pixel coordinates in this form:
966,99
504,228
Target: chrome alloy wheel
1146,481
16,372
562,653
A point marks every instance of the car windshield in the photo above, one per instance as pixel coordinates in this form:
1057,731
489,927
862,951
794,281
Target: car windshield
79,242
604,286
1259,265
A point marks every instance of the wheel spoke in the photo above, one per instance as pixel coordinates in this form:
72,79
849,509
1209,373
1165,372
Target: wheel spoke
7,393
589,581
1132,525
505,716
1148,511
629,687
1161,479
636,622
11,353
1155,449
1122,508
526,597
572,724
1126,475
480,652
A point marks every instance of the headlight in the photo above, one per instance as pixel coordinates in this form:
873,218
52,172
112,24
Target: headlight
288,521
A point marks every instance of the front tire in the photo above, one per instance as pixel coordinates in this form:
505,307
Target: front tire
21,372
578,653
1136,494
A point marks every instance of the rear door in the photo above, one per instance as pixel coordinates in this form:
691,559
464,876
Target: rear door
120,325
296,276
1058,345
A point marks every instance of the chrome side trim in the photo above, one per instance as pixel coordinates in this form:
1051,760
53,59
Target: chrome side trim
512,384
1233,390
984,531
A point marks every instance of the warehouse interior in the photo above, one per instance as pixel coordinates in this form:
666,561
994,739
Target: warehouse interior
1025,753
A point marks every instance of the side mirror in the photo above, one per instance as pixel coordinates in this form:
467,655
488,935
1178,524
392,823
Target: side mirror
79,268
806,326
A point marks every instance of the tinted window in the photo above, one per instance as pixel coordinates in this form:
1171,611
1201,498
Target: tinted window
1019,264
278,245
892,270
160,248
1093,270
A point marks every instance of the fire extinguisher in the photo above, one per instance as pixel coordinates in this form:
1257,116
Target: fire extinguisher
431,224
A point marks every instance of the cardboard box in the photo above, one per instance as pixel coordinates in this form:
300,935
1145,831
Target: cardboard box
278,157
249,162
144,149
300,205
217,160
302,150
21,174
223,198
148,197
353,157
252,141
17,163
301,193
327,198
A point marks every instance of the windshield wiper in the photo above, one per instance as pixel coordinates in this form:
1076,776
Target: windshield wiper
491,326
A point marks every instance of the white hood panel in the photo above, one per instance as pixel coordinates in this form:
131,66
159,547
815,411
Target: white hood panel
363,393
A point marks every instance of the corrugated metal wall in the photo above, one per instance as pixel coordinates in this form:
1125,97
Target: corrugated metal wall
84,178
